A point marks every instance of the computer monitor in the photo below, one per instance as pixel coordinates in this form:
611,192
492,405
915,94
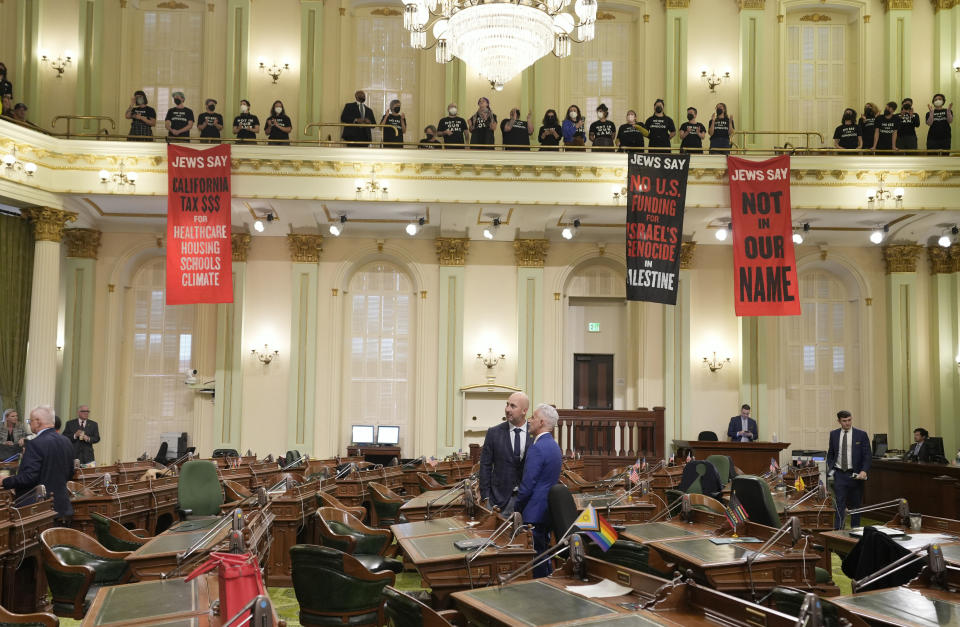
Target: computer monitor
362,434
388,434
879,444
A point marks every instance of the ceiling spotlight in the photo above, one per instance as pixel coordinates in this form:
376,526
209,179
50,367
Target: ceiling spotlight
722,232
569,232
877,235
337,227
414,227
490,232
258,226
945,239
797,236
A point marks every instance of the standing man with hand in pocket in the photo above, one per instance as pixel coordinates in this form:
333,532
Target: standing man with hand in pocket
848,457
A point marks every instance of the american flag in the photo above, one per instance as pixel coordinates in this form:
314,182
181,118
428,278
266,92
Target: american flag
689,456
635,473
774,466
643,464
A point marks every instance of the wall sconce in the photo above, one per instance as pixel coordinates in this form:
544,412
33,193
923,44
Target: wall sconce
956,66
13,166
266,356
273,70
490,361
715,364
59,64
619,193
121,179
712,79
370,188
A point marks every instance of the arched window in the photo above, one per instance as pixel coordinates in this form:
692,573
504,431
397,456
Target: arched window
172,58
598,70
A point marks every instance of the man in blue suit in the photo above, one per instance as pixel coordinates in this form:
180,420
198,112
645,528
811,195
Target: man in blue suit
501,460
742,428
47,460
849,458
541,471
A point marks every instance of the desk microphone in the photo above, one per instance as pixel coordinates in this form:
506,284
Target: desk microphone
577,557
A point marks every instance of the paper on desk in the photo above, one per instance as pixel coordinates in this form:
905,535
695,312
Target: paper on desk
920,540
604,588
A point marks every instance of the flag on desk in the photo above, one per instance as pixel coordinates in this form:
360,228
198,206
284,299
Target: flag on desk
774,466
635,473
736,510
432,461
799,485
596,527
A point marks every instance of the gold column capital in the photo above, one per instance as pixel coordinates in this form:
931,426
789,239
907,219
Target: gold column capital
48,223
530,253
955,257
686,254
751,5
83,243
943,5
240,245
305,248
940,260
676,4
452,251
901,257
898,5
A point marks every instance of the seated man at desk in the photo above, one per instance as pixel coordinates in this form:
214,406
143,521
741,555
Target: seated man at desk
541,471
742,428
920,451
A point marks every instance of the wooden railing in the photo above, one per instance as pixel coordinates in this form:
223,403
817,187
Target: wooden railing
607,439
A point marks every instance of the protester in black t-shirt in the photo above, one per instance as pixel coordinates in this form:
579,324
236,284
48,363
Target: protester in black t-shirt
482,125
6,87
887,127
398,125
278,125
909,123
550,131
692,133
179,119
939,120
721,130
143,117
603,130
867,124
847,135
630,135
661,126
430,140
210,123
516,132
452,128
246,125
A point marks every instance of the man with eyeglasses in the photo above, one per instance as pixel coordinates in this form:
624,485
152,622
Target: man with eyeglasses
83,433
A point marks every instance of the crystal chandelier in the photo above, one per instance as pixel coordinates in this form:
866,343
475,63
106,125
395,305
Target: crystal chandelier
498,38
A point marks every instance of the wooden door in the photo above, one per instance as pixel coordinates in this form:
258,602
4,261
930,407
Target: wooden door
592,381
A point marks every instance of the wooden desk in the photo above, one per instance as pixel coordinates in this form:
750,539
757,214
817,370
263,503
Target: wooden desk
932,489
294,521
753,458
447,502
375,454
134,504
352,490
23,584
904,606
633,509
454,471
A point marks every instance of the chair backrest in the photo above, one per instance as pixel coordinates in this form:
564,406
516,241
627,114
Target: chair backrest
754,494
428,482
198,488
871,553
724,466
789,601
936,448
233,491
402,610
561,508
109,534
700,477
707,436
626,553
384,493
38,619
702,501
328,582
161,457
328,500
225,452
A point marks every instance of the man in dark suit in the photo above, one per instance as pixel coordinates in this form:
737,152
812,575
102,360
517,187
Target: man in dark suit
919,452
357,113
541,471
501,460
742,428
84,433
848,456
47,460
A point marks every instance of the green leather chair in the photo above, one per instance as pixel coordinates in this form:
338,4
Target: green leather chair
114,536
339,530
384,506
198,490
402,610
754,494
431,481
77,566
334,588
328,500
789,600
724,466
628,554
38,619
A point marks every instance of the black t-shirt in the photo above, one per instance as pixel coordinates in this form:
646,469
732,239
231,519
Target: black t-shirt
692,139
867,128
178,119
456,125
550,140
721,128
245,122
279,120
909,122
846,136
138,127
940,127
660,128
886,127
603,132
429,144
393,135
630,136
210,119
6,88
516,136
483,129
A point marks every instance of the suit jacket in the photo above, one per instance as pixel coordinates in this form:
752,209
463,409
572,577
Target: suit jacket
48,459
736,425
499,468
541,471
860,450
351,111
19,433
82,450
923,455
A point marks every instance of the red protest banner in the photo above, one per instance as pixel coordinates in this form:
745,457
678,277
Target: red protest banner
199,255
764,265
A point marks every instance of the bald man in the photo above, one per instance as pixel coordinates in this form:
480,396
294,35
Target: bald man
504,447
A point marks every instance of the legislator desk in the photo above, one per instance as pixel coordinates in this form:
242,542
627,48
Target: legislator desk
453,470
294,523
352,490
907,607
374,454
753,458
23,584
814,514
484,521
148,504
635,508
447,502
932,489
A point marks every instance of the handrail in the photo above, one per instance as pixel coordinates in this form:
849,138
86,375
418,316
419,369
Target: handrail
71,118
806,135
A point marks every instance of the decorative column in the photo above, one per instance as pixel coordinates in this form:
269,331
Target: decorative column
897,48
238,42
902,340
946,49
305,254
90,60
675,89
452,255
530,255
27,62
311,63
455,85
79,277
752,51
676,358
40,373
945,342
228,401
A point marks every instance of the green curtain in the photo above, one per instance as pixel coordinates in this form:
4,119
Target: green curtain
16,280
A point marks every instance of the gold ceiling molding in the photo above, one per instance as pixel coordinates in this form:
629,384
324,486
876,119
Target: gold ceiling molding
751,5
452,251
530,253
815,17
940,260
305,248
686,255
48,223
676,4
898,5
82,243
901,257
386,11
601,15
240,245
172,4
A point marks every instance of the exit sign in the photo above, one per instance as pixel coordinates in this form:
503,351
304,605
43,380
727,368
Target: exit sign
593,327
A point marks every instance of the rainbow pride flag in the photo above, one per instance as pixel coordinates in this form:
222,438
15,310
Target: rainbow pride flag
596,527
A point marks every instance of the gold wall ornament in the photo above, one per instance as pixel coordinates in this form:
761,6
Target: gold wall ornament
452,251
530,253
423,294
82,243
955,256
944,5
686,254
868,302
676,4
901,257
751,5
385,11
646,18
898,5
172,4
866,19
816,17
305,247
602,15
48,223
240,245
940,261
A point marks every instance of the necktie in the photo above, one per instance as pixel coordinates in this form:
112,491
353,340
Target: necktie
516,441
361,111
83,423
843,452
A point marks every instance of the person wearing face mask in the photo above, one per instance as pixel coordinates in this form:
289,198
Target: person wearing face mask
692,133
721,130
603,130
246,125
179,119
210,123
516,131
550,131
939,119
278,125
482,125
847,135
661,127
630,135
6,87
398,126
357,112
143,118
430,140
453,128
572,127
909,123
887,126
7,110
867,124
